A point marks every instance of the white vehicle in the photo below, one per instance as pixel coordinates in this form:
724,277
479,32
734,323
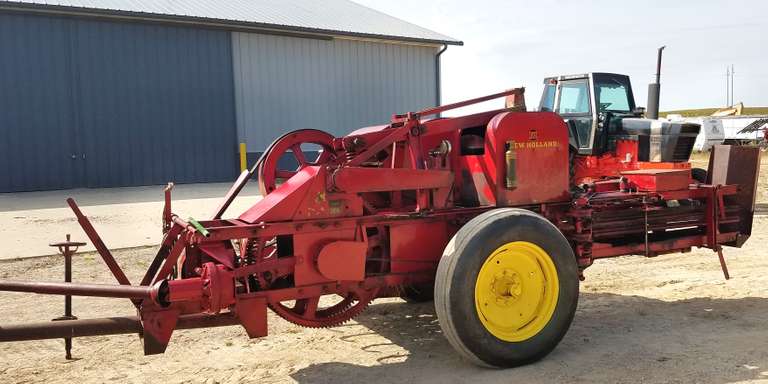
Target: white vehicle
745,129
712,131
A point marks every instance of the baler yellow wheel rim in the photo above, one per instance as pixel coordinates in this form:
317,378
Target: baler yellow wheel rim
516,291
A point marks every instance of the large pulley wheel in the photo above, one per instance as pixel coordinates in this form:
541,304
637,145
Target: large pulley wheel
506,288
273,169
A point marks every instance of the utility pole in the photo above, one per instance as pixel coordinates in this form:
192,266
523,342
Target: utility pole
733,72
729,72
727,86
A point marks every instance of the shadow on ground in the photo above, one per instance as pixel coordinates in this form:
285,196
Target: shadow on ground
613,338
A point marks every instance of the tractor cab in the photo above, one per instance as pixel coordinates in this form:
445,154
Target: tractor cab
599,109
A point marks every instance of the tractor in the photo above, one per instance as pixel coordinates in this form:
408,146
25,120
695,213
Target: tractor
599,110
494,215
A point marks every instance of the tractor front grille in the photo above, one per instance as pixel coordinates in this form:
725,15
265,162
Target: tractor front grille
683,148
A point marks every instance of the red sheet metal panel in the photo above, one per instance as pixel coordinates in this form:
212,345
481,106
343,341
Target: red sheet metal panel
306,249
659,180
539,141
417,246
738,165
343,260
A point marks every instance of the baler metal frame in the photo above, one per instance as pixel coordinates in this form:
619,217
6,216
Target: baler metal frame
325,229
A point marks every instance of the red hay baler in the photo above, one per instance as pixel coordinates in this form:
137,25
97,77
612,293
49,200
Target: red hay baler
496,215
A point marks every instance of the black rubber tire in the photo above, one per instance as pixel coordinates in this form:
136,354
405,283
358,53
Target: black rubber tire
419,293
699,175
455,287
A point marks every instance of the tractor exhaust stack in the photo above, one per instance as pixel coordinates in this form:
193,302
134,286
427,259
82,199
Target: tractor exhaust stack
654,90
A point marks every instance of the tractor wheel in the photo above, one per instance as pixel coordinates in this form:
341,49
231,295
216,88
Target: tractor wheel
506,288
418,293
699,175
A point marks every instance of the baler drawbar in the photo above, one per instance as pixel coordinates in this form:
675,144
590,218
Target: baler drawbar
495,215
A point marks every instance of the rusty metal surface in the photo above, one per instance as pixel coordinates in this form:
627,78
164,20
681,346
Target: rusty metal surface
738,165
103,326
106,255
79,289
67,249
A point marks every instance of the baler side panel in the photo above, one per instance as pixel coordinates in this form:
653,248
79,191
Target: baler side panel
417,246
540,142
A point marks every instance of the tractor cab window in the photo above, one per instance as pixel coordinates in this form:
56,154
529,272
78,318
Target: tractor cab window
574,97
612,96
548,98
574,106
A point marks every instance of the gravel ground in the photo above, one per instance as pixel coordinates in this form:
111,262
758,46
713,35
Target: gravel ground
670,319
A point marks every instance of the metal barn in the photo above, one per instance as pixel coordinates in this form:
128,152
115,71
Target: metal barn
125,92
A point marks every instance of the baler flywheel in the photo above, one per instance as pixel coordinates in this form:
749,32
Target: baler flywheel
272,167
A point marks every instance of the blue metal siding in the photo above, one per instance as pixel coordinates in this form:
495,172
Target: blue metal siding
287,83
164,96
35,104
140,104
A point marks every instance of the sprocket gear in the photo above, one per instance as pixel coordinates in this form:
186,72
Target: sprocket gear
304,312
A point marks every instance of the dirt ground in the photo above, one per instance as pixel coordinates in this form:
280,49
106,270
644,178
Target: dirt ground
667,319
670,319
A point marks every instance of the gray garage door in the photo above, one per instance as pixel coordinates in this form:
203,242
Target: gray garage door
102,104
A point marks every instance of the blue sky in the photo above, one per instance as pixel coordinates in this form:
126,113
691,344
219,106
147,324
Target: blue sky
513,43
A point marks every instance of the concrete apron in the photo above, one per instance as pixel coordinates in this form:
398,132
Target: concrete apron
124,217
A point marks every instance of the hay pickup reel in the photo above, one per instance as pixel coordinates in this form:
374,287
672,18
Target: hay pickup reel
493,213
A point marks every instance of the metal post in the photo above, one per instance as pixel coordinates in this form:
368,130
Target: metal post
67,249
438,75
727,87
723,266
243,157
733,72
